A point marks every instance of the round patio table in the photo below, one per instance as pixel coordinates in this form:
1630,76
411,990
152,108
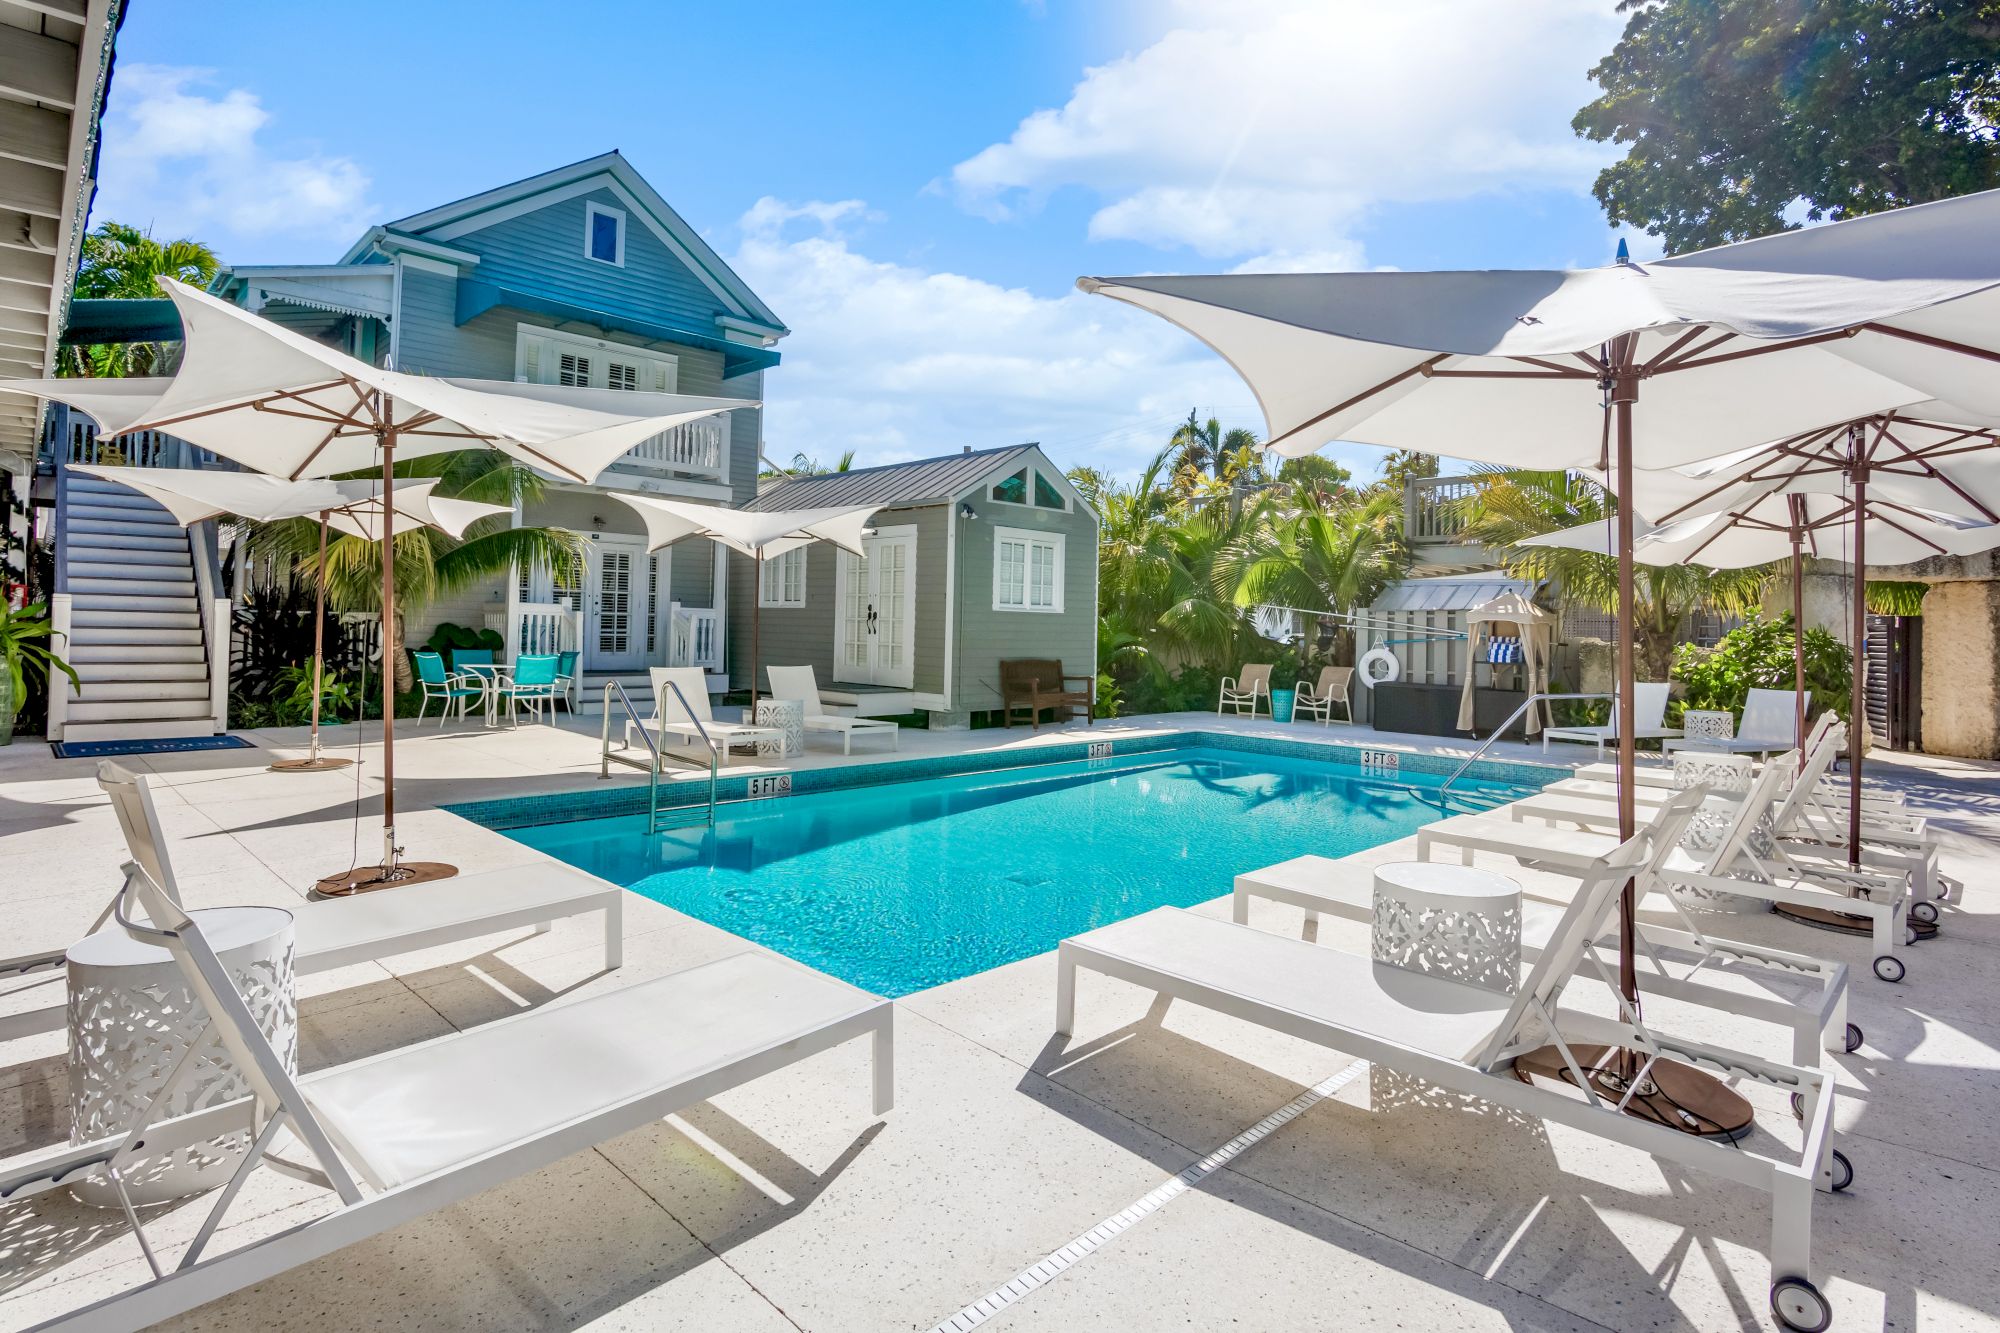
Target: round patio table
132,1016
1448,921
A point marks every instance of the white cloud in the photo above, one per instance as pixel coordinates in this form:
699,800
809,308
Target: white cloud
1274,128
897,362
187,161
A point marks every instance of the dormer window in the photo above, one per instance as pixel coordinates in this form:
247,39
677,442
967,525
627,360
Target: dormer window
604,234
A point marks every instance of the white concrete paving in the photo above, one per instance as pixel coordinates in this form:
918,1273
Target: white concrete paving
784,1205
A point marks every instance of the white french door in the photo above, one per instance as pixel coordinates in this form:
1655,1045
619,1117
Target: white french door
618,607
875,625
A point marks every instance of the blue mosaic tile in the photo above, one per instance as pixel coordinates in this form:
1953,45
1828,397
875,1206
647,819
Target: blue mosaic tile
684,794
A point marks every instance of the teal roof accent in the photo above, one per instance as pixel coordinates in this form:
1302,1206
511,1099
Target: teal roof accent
98,320
475,298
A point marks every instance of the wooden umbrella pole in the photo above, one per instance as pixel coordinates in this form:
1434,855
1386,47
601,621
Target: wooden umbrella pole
1857,703
319,630
1624,392
756,628
388,438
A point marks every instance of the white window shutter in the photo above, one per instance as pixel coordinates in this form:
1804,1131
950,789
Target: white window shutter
531,359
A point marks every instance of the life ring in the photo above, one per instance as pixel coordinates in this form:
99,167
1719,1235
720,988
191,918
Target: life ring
1378,666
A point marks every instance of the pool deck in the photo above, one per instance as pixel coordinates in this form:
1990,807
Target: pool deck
784,1205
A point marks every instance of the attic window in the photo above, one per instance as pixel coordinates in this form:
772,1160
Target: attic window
604,234
1017,489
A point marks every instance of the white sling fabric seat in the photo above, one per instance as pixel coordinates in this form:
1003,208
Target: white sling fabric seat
1649,705
688,717
801,683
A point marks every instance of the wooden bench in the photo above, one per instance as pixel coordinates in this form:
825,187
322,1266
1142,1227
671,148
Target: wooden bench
1037,683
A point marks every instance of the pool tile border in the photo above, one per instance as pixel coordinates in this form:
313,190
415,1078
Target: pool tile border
514,812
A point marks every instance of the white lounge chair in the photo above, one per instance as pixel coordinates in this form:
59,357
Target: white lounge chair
1241,694
1732,867
683,714
1649,705
800,682
1466,1040
406,1133
1337,887
1770,725
1832,790
341,931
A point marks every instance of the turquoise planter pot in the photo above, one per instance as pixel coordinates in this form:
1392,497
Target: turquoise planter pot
1281,704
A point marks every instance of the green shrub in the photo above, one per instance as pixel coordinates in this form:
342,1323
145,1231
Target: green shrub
1109,697
1758,655
448,637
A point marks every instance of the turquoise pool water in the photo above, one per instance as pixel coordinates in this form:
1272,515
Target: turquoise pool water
904,885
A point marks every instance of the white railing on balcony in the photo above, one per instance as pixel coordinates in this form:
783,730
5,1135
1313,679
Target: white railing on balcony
696,639
141,448
692,448
543,627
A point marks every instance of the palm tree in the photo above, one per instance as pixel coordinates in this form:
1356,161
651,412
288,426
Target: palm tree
1321,555
1511,506
429,563
121,262
1203,446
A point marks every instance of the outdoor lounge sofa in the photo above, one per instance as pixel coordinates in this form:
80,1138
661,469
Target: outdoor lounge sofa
408,1132
1035,683
337,932
800,682
1467,1040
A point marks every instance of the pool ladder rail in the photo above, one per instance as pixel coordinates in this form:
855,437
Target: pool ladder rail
1442,794
608,755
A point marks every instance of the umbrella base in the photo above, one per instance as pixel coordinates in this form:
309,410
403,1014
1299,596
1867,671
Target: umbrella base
1845,923
367,879
326,763
1679,1097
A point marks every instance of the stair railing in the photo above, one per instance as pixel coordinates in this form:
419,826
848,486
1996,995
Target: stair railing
1443,790
608,756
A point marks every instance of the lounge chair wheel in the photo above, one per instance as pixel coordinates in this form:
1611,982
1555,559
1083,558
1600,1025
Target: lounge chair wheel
1797,1304
1909,934
1889,968
1926,913
1843,1171
1853,1037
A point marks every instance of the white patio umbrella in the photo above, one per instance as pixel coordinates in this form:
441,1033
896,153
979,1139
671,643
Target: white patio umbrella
353,507
1728,348
276,401
759,534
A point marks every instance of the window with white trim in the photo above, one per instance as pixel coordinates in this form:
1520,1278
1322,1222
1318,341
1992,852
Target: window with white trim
1029,487
604,234
1027,570
782,581
552,356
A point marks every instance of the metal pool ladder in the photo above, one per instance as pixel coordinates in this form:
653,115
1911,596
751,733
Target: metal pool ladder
1443,792
608,756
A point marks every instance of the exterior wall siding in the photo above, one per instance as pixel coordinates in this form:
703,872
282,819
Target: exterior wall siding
986,636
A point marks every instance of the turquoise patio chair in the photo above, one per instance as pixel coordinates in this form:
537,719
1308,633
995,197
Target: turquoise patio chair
445,686
532,681
566,681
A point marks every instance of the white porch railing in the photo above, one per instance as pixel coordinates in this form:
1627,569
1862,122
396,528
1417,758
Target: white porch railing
693,447
543,627
696,637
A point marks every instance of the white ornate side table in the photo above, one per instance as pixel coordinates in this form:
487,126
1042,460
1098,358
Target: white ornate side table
132,1016
1699,725
1449,921
787,717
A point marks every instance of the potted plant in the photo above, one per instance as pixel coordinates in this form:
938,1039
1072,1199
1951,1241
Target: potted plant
24,636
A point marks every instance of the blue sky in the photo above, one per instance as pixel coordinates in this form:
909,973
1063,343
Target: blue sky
913,187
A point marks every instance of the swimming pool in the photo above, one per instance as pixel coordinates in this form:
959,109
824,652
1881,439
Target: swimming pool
899,886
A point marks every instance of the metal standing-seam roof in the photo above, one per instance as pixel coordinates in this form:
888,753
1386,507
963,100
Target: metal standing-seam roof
923,481
1448,592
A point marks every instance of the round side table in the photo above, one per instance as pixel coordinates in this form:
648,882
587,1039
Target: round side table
1449,921
132,1016
787,716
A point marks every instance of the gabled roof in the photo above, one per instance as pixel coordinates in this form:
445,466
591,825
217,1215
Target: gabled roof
447,222
923,481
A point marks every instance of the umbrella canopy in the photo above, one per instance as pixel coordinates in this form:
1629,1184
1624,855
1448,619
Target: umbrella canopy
1737,346
1533,626
761,535
353,507
274,400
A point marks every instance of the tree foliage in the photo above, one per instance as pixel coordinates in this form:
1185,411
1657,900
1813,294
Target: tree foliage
121,262
1736,112
1758,654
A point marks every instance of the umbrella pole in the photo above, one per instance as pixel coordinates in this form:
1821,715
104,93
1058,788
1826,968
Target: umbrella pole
1624,391
314,762
756,630
1857,703
1797,506
393,871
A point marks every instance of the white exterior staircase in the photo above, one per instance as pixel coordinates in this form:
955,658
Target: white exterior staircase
143,617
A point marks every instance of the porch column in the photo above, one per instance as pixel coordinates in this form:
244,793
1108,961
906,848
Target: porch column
721,600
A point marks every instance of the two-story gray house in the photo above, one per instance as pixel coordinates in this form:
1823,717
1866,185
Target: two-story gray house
585,275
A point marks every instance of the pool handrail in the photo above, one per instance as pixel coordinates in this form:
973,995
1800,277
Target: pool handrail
606,756
1444,788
